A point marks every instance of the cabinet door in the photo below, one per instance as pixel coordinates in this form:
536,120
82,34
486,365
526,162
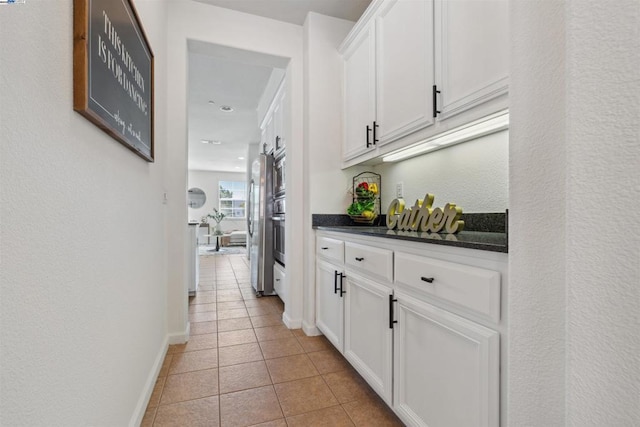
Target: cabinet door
279,284
270,132
368,338
330,303
446,368
263,138
359,94
278,118
404,56
472,53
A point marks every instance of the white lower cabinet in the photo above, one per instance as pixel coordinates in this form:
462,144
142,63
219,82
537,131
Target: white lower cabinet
422,326
446,368
368,338
279,284
330,302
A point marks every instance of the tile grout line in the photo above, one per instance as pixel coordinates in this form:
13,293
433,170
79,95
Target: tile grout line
258,310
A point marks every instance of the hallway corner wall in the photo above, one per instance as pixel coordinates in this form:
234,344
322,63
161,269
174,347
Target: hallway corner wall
82,246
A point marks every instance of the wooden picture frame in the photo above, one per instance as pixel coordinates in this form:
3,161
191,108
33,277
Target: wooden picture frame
113,72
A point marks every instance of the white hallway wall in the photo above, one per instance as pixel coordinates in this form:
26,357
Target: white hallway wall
198,21
326,183
83,245
574,245
208,182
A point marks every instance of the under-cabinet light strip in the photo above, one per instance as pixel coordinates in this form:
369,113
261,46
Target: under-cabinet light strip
490,124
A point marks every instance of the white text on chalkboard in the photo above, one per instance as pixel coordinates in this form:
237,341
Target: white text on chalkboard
119,61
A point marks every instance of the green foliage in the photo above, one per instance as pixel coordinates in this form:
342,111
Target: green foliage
217,215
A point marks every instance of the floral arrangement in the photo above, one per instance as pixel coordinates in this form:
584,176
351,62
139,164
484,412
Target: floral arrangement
217,215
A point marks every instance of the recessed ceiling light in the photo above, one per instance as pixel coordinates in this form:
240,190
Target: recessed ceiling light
240,158
226,108
210,141
237,167
211,102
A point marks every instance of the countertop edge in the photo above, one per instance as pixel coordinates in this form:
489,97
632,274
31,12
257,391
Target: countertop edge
483,246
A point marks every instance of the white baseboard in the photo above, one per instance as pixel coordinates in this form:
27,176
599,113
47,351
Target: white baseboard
310,329
180,338
291,323
143,401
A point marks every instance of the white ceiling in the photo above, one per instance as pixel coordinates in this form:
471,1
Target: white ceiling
224,82
238,78
295,11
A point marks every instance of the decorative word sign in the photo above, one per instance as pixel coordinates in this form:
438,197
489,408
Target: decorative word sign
421,217
113,72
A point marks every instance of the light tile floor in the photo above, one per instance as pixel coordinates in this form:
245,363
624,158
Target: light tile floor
243,367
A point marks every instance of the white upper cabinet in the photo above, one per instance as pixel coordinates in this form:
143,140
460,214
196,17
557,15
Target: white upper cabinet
269,132
278,124
273,127
359,94
472,53
404,65
417,68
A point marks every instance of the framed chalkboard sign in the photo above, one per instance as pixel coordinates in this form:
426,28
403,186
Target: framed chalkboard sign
113,72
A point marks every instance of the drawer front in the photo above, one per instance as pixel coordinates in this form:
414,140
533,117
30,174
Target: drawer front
474,288
331,249
374,262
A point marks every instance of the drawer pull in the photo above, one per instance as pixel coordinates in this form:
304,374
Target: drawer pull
359,259
324,248
427,279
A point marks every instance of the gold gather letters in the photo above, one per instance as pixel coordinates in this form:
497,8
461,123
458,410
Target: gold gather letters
421,217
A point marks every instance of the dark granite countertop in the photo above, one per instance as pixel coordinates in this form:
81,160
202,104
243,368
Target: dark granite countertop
495,242
486,232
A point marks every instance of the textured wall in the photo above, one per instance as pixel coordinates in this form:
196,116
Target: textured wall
474,175
574,240
189,20
537,195
82,247
603,175
326,183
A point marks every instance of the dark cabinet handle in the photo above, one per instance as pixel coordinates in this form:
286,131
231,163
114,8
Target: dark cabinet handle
368,132
335,281
375,126
391,321
324,248
342,291
435,101
427,279
359,259
278,139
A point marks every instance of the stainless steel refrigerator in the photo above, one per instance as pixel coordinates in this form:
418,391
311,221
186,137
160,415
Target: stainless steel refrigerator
260,226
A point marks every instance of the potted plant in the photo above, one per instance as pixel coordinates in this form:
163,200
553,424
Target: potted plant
217,217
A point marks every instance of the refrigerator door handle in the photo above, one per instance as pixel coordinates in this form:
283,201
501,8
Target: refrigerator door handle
250,217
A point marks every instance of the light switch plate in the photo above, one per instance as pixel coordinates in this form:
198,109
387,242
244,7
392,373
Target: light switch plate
399,190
